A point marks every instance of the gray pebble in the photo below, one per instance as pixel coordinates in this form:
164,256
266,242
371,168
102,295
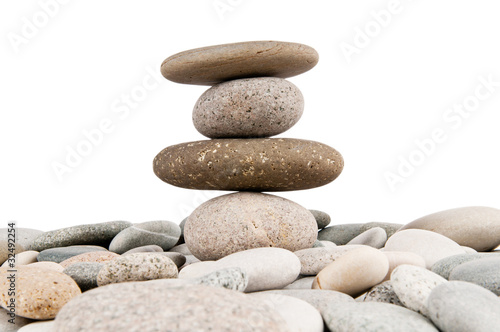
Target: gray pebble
318,298
389,228
483,272
148,248
84,274
444,266
58,255
374,237
340,234
322,218
383,292
231,278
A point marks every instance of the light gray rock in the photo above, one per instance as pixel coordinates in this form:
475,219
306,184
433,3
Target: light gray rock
58,255
323,219
299,315
374,317
84,274
182,249
458,306
477,227
302,283
99,234
430,245
374,237
318,298
232,278
413,285
23,258
159,232
397,258
162,308
137,267
147,248
340,234
389,228
384,293
483,272
46,326
444,266
23,236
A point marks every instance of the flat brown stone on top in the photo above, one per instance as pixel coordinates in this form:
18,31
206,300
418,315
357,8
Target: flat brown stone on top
215,64
255,164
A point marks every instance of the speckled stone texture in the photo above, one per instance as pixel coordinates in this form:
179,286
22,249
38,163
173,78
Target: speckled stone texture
152,306
215,64
84,274
255,164
92,234
137,267
246,220
250,107
40,294
91,257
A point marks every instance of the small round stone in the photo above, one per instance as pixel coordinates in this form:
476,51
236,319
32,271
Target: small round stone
147,248
246,220
397,258
23,258
218,63
91,257
384,293
483,272
24,239
84,274
153,306
137,267
58,255
374,237
323,219
318,298
47,326
446,265
313,260
340,234
159,232
250,107
253,164
232,278
389,228
40,294
47,266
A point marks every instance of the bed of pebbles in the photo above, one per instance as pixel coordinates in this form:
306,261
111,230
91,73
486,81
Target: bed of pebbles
249,261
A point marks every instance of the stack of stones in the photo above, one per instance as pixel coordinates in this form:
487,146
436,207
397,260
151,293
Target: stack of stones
249,101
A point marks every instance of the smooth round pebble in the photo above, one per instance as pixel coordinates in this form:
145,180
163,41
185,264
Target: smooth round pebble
299,315
313,260
323,219
459,306
477,227
147,248
137,267
6,326
247,220
91,257
397,258
214,64
374,317
159,232
340,234
302,283
24,239
47,266
249,164
249,107
318,298
430,245
58,255
84,274
413,285
182,249
384,293
389,228
40,294
483,272
181,308
47,326
23,258
99,234
374,237
354,272
444,266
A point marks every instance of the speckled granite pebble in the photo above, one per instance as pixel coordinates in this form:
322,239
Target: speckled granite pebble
384,293
159,232
137,267
246,220
99,234
323,219
91,257
232,278
84,274
483,272
250,107
40,293
254,164
151,307
58,255
214,64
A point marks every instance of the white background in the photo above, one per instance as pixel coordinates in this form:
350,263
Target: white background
68,75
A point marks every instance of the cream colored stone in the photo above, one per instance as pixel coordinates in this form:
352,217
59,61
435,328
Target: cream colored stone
397,258
90,257
47,266
313,260
23,258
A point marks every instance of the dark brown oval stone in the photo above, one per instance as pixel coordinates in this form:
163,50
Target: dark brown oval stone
215,64
257,164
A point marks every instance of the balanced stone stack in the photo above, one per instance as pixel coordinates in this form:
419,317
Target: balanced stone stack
249,102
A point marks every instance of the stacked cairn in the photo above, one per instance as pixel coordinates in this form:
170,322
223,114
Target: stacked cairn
248,102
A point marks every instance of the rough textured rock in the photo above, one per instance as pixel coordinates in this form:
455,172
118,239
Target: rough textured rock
458,306
159,232
430,245
40,294
250,107
254,164
477,227
354,272
58,255
384,293
89,234
246,220
232,278
137,267
340,234
84,274
214,64
162,308
483,272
